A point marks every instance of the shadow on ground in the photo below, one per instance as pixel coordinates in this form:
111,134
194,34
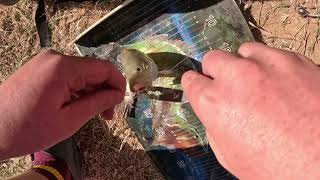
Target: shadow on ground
249,18
108,156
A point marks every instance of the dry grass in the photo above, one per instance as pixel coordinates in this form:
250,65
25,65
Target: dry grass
110,149
280,26
14,166
18,40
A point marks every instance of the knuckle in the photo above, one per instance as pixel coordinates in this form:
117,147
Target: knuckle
48,51
252,74
56,59
250,45
57,64
215,54
213,58
49,60
245,67
48,54
246,46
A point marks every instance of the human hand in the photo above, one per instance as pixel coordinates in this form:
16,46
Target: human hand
261,110
51,97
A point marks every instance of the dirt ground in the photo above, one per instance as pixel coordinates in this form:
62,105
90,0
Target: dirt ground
110,149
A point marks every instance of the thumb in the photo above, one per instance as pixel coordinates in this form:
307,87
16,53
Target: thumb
88,106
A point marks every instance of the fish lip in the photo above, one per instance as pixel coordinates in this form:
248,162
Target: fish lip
138,88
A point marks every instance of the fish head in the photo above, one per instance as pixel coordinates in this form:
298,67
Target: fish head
139,69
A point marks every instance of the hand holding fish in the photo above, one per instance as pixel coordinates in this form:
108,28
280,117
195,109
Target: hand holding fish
51,97
261,111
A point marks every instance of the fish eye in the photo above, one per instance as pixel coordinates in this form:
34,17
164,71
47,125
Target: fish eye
138,69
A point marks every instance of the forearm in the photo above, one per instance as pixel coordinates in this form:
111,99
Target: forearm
6,119
17,130
10,145
21,137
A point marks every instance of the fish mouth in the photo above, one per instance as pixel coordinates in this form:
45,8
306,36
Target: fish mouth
138,88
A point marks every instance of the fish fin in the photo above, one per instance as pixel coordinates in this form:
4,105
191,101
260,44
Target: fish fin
160,37
165,72
107,51
124,109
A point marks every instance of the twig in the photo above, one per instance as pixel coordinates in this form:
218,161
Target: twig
260,13
306,43
282,38
125,170
30,21
123,141
291,43
257,27
316,38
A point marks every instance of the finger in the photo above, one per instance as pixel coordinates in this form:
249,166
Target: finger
267,55
195,87
254,50
193,82
88,106
108,114
94,71
216,63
